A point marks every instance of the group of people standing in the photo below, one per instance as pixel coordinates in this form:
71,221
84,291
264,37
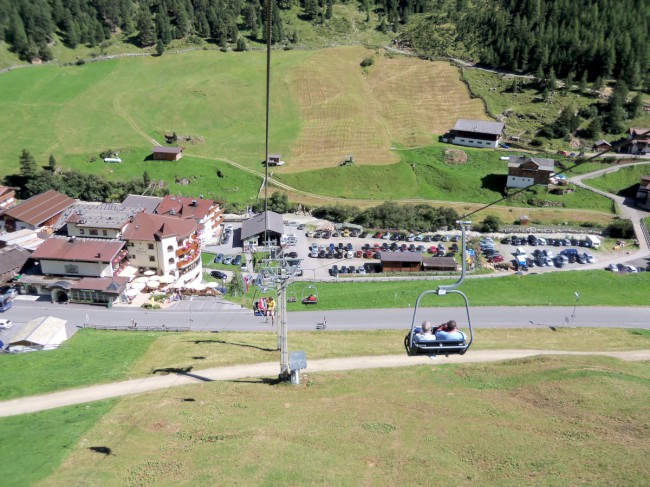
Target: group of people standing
266,306
445,331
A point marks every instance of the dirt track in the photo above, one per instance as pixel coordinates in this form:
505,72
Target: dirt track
70,397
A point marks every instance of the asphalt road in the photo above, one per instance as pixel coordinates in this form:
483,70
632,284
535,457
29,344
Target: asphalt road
215,315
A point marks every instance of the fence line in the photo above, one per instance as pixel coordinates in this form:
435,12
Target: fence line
137,328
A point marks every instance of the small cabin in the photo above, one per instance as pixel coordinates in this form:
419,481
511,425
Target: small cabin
167,153
275,160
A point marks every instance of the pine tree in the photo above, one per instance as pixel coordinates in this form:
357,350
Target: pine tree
583,85
635,107
594,129
52,163
145,28
28,166
241,44
160,47
146,179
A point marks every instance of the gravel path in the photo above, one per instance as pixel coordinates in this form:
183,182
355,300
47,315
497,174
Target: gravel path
70,397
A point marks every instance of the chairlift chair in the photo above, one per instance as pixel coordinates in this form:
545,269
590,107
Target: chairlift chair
256,297
440,347
292,297
309,295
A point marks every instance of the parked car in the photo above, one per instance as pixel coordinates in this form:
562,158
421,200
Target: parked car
334,271
292,255
437,237
363,235
237,260
496,258
344,270
218,259
8,291
5,324
611,267
227,260
219,275
590,258
301,226
386,236
361,270
561,260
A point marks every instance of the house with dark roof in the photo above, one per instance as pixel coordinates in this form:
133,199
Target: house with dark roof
643,193
601,145
103,291
639,143
147,203
12,260
71,256
443,264
161,153
254,229
166,245
38,211
95,220
476,133
524,171
206,213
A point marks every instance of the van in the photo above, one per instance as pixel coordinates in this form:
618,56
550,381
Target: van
594,242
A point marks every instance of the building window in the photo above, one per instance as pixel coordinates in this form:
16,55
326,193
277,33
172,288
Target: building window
104,232
150,246
171,260
131,244
81,231
71,269
152,258
170,248
93,231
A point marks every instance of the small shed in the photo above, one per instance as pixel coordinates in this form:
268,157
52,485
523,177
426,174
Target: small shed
275,160
167,153
38,334
439,264
602,145
523,220
401,261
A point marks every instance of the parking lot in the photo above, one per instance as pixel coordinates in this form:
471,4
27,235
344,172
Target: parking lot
320,251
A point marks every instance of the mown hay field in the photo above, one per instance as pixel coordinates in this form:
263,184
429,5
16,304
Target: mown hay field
323,106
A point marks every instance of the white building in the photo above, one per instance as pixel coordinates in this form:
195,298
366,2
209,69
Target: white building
166,245
206,213
477,133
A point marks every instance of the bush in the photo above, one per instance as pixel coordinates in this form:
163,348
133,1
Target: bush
620,229
536,143
491,223
369,61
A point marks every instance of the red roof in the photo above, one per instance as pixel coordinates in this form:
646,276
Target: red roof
40,208
184,207
113,285
150,227
78,249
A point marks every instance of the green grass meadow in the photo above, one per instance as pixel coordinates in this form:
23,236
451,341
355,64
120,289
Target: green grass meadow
596,288
558,420
623,182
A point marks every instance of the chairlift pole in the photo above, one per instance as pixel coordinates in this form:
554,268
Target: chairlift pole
442,289
283,342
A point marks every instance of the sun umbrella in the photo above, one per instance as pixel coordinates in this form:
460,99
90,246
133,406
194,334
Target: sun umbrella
149,273
133,292
167,279
212,285
153,284
199,287
138,286
141,279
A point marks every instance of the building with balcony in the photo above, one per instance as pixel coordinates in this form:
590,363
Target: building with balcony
167,245
206,213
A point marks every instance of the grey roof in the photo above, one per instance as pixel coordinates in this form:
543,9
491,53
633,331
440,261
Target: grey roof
39,331
401,257
98,215
601,142
149,203
12,259
257,224
544,164
167,150
448,262
479,126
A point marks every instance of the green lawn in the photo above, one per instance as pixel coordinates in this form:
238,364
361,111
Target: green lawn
33,446
83,360
623,182
537,421
596,288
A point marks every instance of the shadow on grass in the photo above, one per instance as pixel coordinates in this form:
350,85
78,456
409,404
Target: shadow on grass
245,345
494,182
181,371
104,450
264,380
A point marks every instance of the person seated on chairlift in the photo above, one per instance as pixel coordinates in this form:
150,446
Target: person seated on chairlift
311,297
449,331
425,334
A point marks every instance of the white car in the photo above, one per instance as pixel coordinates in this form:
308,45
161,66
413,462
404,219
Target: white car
590,258
5,324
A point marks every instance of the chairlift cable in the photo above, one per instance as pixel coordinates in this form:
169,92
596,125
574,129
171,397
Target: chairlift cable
268,95
589,159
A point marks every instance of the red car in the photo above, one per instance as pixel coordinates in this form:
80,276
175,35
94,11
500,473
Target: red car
369,254
496,258
358,253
